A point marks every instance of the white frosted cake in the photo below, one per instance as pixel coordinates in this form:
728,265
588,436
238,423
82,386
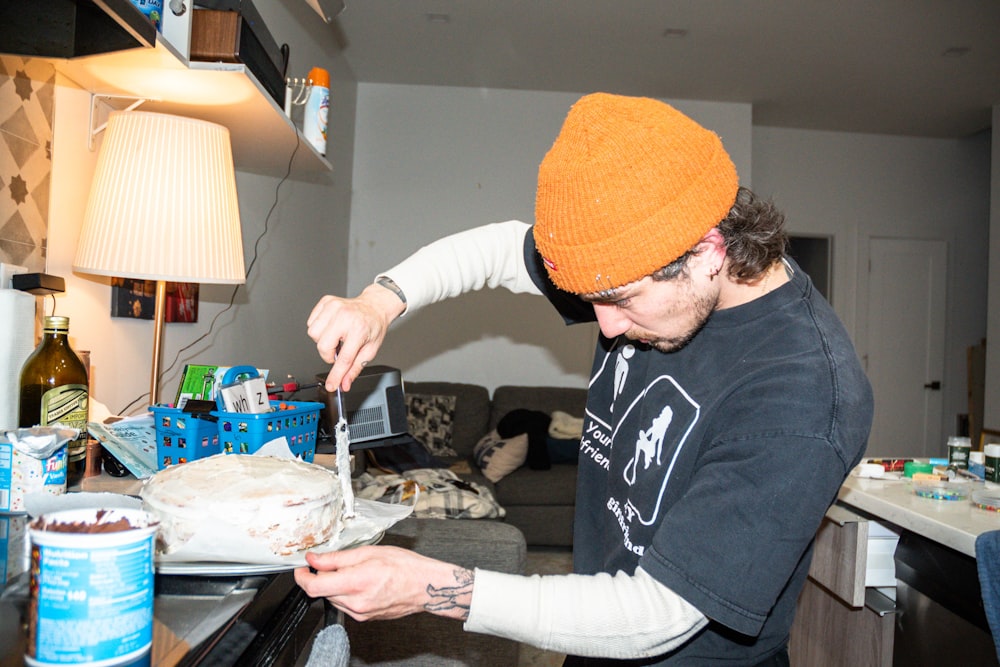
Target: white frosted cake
286,504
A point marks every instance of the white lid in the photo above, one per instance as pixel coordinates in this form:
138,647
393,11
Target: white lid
992,450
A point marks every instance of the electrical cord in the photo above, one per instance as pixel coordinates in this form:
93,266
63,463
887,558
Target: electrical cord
232,298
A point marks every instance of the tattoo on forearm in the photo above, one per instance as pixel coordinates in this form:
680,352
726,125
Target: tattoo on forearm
447,598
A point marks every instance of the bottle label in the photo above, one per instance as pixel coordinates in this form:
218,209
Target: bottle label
66,405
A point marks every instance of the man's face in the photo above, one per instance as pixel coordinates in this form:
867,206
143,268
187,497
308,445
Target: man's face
665,314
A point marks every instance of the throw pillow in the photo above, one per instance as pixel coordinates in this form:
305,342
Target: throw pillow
429,418
498,457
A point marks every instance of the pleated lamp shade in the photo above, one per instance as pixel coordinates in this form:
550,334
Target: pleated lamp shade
163,207
163,203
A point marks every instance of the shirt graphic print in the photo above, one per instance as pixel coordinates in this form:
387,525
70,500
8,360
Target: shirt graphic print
637,440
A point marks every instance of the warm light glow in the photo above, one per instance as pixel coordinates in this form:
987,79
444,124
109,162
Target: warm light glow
157,75
210,88
163,204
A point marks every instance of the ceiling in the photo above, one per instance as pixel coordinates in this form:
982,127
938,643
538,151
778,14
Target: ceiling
910,67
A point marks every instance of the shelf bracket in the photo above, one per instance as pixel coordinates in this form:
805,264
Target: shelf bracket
97,97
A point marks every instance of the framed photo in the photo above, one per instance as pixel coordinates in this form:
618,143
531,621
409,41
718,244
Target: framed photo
986,436
137,299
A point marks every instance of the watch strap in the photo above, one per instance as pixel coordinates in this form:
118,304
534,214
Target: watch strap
390,284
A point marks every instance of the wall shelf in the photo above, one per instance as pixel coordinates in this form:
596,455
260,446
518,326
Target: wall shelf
263,137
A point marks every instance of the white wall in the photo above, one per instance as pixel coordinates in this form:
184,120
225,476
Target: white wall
302,254
858,186
431,161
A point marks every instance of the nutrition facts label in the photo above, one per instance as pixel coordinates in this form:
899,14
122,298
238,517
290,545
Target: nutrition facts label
93,603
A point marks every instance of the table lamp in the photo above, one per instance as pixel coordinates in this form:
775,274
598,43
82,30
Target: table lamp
163,207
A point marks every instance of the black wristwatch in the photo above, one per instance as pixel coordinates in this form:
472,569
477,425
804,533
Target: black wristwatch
390,284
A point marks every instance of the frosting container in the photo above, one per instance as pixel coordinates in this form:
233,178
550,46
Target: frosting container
91,597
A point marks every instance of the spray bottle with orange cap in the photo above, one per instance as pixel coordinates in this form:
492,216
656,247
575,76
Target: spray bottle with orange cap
317,106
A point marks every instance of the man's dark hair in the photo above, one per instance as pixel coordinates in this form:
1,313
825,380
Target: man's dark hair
754,233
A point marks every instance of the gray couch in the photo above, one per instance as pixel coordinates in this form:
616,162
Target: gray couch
539,512
539,502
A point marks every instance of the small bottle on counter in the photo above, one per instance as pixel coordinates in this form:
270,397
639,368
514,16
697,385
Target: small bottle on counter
992,462
977,464
53,388
958,451
314,119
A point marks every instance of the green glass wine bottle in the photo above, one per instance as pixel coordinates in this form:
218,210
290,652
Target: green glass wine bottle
54,389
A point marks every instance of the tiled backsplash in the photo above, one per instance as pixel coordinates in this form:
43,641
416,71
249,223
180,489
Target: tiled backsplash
27,87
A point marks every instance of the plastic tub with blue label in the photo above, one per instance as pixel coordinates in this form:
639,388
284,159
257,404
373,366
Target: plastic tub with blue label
91,588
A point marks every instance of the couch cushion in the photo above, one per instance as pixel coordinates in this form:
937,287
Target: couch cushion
472,410
543,525
489,544
524,486
507,398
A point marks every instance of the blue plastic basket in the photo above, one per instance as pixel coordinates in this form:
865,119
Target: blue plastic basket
245,433
182,437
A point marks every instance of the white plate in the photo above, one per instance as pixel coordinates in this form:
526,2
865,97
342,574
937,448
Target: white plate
219,569
223,568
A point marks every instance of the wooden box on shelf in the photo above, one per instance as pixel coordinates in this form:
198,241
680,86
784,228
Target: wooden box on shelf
231,37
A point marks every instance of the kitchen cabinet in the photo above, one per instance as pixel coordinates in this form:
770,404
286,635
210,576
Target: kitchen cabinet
264,139
848,614
840,619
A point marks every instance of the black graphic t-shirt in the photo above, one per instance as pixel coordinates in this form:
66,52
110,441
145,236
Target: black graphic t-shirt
712,466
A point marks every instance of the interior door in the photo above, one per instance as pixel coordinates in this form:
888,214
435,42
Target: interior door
905,345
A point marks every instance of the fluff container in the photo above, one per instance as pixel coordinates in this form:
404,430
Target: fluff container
91,588
32,460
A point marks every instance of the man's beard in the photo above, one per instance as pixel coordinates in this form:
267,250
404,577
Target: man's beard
702,309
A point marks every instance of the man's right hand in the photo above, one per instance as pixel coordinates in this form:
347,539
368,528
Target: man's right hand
349,332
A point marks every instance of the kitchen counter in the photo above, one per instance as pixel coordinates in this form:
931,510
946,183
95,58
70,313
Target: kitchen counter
928,612
952,523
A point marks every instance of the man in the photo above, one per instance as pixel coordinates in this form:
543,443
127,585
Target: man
725,408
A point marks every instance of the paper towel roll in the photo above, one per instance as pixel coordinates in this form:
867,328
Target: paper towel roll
17,340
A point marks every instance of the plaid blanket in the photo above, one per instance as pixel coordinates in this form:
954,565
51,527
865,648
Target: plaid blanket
435,493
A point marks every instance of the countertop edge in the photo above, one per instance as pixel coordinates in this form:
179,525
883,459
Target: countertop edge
955,524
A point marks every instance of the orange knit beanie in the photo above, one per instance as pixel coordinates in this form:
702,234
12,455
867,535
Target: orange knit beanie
629,185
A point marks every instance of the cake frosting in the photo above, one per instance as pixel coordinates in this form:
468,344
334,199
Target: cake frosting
286,504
